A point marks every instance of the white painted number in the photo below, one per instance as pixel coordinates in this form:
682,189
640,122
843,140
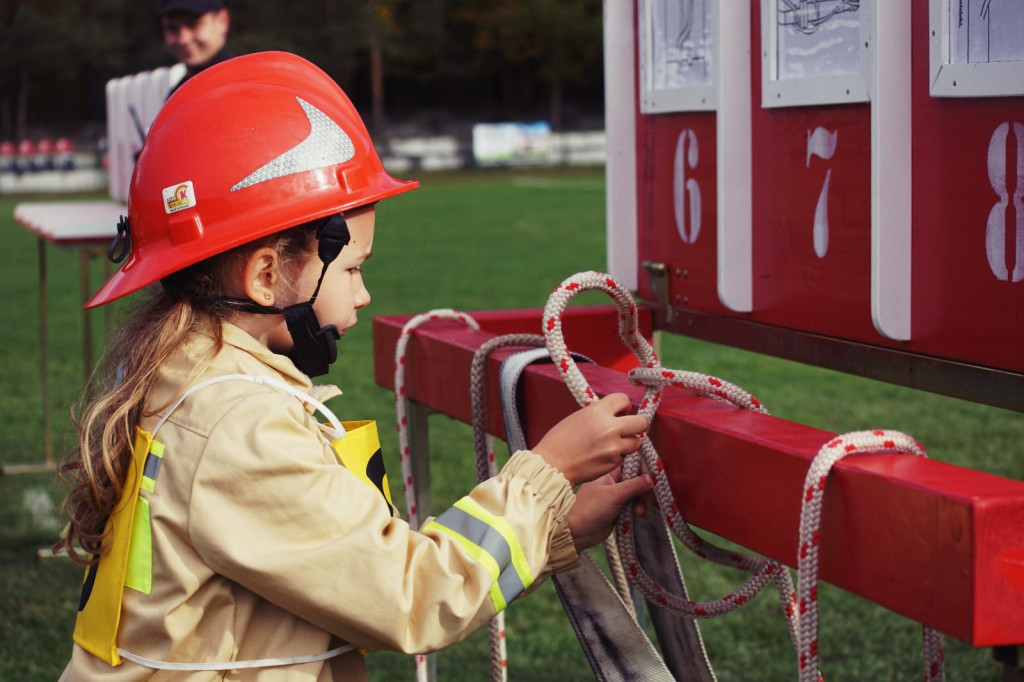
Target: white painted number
821,143
685,191
999,155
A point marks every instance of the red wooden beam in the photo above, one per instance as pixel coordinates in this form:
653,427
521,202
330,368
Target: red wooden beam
939,544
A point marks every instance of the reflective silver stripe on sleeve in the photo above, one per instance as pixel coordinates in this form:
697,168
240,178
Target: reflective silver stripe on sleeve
489,546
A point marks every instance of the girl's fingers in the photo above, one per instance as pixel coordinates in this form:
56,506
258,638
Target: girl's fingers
633,488
628,445
632,425
616,402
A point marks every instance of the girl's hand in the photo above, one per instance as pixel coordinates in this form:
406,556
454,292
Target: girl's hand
599,503
592,441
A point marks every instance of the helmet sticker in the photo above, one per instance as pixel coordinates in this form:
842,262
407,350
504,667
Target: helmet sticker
178,197
326,145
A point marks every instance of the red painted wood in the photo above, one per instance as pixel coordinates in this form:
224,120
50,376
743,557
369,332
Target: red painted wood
439,376
675,149
939,544
793,287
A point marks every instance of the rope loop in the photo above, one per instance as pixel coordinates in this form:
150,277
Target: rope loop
628,331
404,451
654,378
701,384
879,442
800,609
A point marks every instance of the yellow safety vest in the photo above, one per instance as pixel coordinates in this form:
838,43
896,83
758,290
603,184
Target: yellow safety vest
127,559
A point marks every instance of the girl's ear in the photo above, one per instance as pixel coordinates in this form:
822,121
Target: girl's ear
261,275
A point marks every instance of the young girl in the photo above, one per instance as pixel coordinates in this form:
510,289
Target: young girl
221,535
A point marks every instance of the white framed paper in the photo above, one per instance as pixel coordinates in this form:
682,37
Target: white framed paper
815,52
678,55
976,48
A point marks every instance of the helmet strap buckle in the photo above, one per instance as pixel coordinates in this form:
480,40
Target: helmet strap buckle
332,237
315,347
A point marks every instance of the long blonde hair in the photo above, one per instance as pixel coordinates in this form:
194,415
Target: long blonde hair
114,399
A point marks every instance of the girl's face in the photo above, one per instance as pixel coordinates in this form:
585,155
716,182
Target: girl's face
342,292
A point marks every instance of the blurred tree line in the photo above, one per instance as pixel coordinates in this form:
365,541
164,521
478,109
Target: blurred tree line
419,62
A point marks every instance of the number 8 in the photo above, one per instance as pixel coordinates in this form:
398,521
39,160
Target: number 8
995,232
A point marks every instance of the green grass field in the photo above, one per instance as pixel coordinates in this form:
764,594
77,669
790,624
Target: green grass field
479,241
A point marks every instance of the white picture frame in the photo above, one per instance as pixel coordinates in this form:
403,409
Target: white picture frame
840,63
679,49
955,75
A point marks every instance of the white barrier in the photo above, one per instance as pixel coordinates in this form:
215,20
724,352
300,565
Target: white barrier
403,155
132,104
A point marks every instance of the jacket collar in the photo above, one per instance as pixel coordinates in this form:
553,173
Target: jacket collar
282,365
242,340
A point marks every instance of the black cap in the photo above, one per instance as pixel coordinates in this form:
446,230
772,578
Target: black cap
193,6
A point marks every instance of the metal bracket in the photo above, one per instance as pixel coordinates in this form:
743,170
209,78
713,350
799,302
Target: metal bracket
658,275
1012,658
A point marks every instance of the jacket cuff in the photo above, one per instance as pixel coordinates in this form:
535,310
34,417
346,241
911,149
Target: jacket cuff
554,490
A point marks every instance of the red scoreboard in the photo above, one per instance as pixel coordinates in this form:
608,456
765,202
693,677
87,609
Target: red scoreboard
832,181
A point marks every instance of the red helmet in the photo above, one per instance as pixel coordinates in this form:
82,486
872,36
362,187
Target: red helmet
246,148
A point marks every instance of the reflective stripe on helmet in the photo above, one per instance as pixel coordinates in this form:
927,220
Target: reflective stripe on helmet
490,540
326,145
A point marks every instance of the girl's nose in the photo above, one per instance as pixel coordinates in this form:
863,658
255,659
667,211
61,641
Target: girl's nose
362,295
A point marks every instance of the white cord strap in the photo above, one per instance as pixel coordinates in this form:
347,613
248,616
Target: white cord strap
260,381
154,664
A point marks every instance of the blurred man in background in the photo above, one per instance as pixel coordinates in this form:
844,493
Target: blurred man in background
196,32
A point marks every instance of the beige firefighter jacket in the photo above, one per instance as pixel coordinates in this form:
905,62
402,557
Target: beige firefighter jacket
264,546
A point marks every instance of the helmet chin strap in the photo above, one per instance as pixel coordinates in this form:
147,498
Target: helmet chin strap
315,347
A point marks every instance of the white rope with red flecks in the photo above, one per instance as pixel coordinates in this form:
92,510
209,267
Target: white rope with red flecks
496,627
483,443
763,570
405,452
487,467
801,616
803,621
858,442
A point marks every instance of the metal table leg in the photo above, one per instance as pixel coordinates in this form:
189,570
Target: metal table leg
419,446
